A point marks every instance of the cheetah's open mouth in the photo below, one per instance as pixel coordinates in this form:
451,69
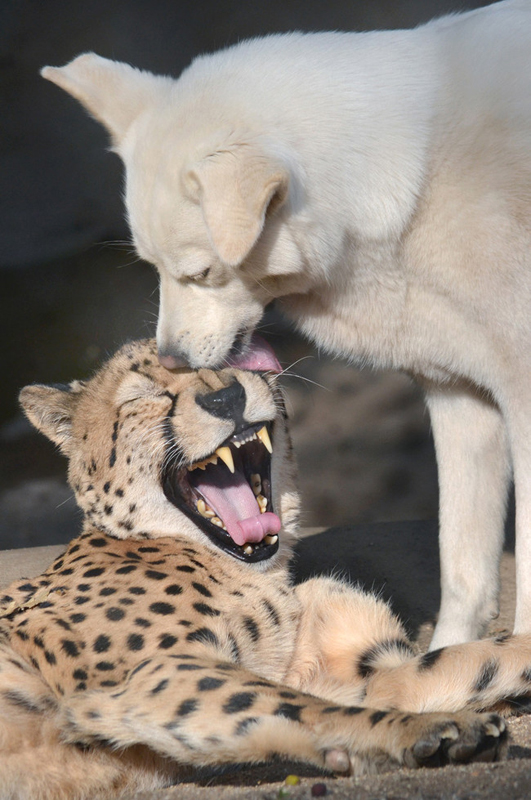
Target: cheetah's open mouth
228,494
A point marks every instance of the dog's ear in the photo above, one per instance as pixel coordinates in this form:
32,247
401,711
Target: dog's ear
113,92
50,409
236,188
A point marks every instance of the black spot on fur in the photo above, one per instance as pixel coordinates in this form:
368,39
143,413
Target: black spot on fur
173,589
98,542
206,610
502,638
142,623
252,628
107,591
136,590
187,707
84,587
428,660
21,701
161,685
351,711
244,724
185,568
154,575
112,457
377,717
288,695
70,648
79,675
148,549
162,608
188,667
289,711
135,642
80,601
101,644
167,641
105,666
202,589
50,657
114,614
258,683
78,617
273,613
208,684
27,587
486,676
95,572
368,660
203,635
240,701
331,709
235,650
126,570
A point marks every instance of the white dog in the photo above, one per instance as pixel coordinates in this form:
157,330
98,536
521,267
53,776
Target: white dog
380,185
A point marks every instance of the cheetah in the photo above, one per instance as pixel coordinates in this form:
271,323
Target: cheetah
170,635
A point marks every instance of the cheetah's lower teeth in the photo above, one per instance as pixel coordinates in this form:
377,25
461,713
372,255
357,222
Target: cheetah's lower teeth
271,539
248,550
262,503
205,510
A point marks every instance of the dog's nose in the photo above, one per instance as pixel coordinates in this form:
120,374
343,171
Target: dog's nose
171,362
226,403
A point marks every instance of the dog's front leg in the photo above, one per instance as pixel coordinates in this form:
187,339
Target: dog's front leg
473,462
518,415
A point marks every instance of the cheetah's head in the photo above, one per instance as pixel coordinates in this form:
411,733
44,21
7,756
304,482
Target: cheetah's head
156,452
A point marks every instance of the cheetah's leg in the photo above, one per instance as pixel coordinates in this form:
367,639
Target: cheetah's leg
199,711
351,649
341,629
35,762
476,675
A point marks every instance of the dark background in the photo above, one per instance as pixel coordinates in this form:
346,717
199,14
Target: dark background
72,290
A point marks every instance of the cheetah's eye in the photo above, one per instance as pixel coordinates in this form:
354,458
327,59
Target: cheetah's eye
136,387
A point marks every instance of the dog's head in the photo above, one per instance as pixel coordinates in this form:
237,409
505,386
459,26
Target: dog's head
208,198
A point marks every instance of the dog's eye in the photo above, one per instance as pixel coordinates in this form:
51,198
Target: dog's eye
200,276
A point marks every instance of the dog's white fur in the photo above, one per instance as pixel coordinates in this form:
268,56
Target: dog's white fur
380,185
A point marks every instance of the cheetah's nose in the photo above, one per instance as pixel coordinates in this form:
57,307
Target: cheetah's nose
226,403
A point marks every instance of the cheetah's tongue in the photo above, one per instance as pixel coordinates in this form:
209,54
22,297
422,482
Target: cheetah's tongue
235,504
259,357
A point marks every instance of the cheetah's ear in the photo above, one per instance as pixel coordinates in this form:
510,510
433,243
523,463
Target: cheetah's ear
50,409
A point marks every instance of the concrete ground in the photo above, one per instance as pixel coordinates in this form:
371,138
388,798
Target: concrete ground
400,561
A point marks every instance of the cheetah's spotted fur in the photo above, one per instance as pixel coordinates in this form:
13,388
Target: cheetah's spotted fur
155,641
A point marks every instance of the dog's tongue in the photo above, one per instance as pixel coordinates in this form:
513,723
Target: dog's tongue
235,504
259,357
